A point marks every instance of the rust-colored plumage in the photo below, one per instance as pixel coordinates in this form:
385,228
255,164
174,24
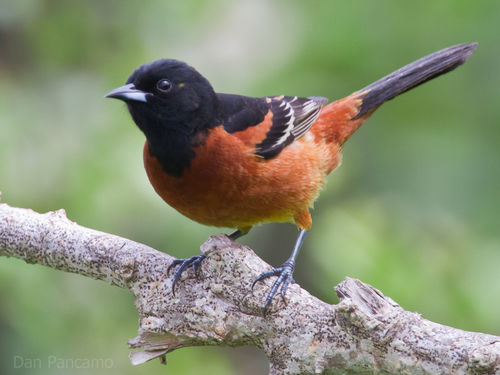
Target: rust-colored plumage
226,185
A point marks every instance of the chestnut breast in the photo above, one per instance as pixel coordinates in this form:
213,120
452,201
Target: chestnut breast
227,185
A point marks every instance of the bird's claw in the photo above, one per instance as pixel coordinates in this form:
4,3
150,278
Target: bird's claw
284,279
194,262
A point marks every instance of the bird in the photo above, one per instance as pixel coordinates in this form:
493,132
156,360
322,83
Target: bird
235,161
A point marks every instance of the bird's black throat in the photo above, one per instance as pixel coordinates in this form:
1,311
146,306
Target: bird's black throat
172,139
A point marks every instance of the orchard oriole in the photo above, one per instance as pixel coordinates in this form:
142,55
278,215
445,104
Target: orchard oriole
236,161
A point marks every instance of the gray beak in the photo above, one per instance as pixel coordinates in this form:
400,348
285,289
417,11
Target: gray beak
127,93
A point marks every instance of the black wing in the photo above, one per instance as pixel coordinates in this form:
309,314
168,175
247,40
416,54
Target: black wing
240,112
292,118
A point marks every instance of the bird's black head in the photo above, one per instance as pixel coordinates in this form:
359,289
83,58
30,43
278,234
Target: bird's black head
168,95
173,105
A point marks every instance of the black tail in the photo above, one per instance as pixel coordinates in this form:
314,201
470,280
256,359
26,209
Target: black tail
413,75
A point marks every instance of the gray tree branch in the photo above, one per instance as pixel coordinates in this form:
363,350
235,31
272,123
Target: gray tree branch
365,333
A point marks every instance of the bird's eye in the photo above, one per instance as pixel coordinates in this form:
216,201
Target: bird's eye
164,85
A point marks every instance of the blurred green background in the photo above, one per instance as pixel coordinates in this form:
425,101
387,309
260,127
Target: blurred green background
414,210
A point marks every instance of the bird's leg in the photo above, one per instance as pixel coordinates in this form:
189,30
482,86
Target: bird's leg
284,273
196,260
238,233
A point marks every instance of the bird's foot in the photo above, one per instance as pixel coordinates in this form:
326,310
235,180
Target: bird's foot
284,273
194,262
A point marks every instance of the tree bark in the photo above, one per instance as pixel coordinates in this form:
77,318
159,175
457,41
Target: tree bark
365,333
